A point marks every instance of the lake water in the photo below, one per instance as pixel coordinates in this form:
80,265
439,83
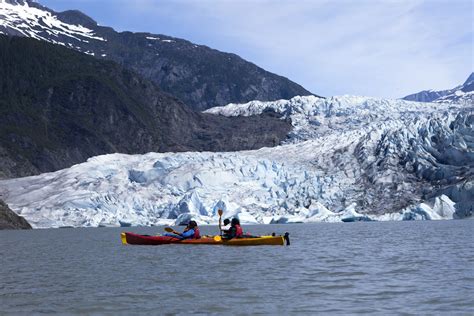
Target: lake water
342,268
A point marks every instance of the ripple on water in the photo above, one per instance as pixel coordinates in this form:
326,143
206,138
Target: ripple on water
353,268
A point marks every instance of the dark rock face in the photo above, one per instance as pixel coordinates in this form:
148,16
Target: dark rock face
426,96
59,107
199,76
9,220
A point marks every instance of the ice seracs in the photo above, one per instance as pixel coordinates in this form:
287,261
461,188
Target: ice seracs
347,158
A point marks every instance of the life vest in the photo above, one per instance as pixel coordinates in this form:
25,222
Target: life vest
238,231
196,235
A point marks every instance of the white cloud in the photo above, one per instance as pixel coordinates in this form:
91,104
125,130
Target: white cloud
389,48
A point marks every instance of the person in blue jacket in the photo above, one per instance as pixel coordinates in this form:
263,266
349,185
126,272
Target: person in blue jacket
190,232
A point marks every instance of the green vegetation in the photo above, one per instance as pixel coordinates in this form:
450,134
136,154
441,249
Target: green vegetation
59,107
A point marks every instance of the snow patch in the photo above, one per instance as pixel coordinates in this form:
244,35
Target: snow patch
31,22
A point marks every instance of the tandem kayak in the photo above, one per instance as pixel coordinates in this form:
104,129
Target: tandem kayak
136,239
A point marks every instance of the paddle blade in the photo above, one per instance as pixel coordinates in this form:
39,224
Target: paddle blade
220,212
169,229
217,238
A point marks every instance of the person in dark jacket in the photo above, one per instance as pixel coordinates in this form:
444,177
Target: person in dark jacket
226,226
235,230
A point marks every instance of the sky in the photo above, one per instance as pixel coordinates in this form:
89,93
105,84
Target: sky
384,48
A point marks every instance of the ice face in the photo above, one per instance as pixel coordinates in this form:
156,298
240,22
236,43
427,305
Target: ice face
347,159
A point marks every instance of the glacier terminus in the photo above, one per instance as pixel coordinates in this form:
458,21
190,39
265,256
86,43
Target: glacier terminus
347,158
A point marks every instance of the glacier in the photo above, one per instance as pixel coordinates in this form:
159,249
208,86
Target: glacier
347,158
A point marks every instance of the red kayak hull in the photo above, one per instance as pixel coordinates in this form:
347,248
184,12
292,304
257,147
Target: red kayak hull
136,239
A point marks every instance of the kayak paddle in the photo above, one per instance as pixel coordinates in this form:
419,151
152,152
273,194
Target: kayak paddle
219,211
171,230
217,238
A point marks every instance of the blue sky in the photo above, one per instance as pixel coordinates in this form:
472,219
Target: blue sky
386,48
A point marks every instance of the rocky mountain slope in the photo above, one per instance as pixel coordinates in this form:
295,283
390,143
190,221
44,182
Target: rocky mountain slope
461,94
347,158
59,107
199,76
9,220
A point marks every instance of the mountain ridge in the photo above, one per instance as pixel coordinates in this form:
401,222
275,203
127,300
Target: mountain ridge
199,76
59,107
463,93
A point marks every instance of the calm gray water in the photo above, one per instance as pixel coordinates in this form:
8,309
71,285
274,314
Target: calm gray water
343,268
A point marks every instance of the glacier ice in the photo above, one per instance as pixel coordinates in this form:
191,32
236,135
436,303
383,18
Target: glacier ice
347,158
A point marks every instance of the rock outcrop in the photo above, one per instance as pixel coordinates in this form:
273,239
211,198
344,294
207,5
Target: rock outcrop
10,220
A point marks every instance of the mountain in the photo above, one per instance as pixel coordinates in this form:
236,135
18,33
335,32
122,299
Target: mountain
9,220
461,94
59,107
346,159
199,76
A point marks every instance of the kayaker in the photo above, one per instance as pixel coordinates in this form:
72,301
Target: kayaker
190,232
235,231
224,229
